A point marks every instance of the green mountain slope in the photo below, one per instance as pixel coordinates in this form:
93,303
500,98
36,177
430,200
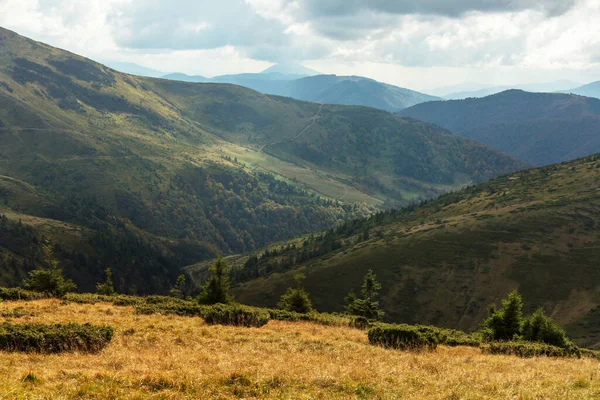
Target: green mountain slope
183,172
442,262
538,128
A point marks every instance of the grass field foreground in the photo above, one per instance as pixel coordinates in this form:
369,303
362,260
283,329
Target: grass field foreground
169,357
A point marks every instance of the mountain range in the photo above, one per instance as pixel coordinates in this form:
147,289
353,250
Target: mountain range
538,128
589,90
329,89
147,175
464,91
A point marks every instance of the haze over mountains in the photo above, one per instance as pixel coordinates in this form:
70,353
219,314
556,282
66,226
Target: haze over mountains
480,90
589,90
165,173
538,128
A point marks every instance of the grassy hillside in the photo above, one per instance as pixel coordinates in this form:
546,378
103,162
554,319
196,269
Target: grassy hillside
442,262
178,172
538,128
156,356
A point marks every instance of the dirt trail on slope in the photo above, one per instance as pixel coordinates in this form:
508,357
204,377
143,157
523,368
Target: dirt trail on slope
313,120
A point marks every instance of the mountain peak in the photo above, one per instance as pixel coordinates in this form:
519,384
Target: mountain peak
291,68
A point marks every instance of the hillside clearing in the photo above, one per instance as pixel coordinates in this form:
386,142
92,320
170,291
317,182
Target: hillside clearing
183,358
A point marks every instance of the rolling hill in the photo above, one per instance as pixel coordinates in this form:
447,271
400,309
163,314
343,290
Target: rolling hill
147,175
538,128
329,89
443,261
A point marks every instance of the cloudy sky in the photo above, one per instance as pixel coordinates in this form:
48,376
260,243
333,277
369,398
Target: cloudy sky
418,44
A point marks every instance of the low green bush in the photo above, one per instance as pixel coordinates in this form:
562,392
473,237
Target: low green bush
224,314
86,298
360,323
127,301
317,318
16,294
402,336
187,309
235,314
40,338
530,349
18,312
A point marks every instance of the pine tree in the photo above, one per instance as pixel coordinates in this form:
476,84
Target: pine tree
179,289
296,299
505,324
368,304
108,287
216,289
49,278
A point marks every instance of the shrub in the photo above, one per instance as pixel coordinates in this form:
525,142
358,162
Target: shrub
360,323
284,315
57,338
16,294
237,315
402,336
124,301
530,349
296,299
86,298
540,328
183,309
317,318
405,337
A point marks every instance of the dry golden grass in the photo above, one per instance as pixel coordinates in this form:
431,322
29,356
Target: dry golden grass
167,357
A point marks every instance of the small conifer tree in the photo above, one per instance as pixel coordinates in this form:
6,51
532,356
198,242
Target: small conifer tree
49,278
216,289
179,289
368,304
296,299
505,324
108,287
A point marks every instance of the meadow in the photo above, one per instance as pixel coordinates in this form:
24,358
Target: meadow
172,357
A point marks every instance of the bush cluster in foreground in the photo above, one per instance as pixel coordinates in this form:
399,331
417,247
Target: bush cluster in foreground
41,338
16,294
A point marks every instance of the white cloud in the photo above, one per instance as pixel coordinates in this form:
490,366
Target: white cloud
414,44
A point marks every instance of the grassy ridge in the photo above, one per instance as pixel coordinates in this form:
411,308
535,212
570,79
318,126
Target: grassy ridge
441,263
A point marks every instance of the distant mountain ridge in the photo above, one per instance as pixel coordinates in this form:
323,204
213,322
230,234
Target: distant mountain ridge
589,90
328,89
538,128
485,90
291,69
